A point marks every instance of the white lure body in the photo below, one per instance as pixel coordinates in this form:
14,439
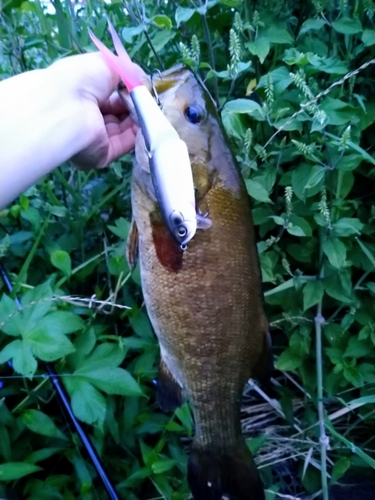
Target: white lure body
169,166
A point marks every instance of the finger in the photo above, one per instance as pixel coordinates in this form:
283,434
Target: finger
116,125
121,139
115,105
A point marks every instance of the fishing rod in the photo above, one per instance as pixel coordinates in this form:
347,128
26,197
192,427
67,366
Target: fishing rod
63,399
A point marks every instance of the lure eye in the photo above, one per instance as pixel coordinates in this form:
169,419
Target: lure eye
182,231
194,113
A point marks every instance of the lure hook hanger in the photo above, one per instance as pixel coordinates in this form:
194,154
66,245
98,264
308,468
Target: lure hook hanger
153,88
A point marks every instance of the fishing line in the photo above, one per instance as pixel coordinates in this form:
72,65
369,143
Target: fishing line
63,399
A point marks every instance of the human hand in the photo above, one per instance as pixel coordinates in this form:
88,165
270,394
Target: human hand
109,130
68,111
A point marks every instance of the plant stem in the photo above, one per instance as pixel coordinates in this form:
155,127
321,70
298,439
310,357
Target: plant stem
16,408
22,274
211,57
323,438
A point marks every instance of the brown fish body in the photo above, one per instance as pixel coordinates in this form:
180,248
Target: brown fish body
204,303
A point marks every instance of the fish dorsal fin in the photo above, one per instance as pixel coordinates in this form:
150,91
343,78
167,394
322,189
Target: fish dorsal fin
132,245
169,394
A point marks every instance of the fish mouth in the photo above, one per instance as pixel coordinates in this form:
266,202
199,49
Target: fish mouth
182,229
162,83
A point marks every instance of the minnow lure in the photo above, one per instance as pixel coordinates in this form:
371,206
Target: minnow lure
169,160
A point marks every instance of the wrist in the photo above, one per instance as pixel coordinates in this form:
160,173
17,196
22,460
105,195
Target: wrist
40,128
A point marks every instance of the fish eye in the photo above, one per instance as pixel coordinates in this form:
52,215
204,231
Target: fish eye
194,113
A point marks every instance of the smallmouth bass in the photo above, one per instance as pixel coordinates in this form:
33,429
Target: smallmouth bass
205,303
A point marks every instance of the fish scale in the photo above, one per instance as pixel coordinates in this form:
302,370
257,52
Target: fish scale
205,304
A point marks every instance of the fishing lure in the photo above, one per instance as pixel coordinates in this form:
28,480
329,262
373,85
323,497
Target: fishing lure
169,160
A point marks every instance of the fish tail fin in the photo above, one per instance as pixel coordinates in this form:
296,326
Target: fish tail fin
232,473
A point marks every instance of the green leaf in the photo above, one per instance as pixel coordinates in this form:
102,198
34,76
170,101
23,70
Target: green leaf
280,78
357,348
367,370
233,125
161,38
10,350
317,174
47,345
345,184
312,25
185,416
16,470
288,360
280,221
261,215
347,26
352,375
87,402
368,37
300,178
335,251
11,322
330,65
347,226
149,455
83,474
141,325
300,342
7,307
61,260
366,251
277,34
231,3
121,228
260,48
256,443
257,191
162,21
183,14
41,423
24,362
351,446
313,293
246,106
339,469
334,288
284,286
42,454
366,156
163,465
60,323
129,32
298,226
267,266
83,345
111,380
105,354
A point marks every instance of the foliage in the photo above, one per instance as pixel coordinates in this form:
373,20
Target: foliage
312,189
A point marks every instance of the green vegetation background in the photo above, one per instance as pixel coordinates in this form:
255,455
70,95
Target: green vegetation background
313,189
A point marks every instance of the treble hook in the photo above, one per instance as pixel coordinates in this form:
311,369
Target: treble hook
153,88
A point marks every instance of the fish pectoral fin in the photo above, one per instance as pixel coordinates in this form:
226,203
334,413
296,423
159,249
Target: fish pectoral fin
263,369
203,222
169,393
132,246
